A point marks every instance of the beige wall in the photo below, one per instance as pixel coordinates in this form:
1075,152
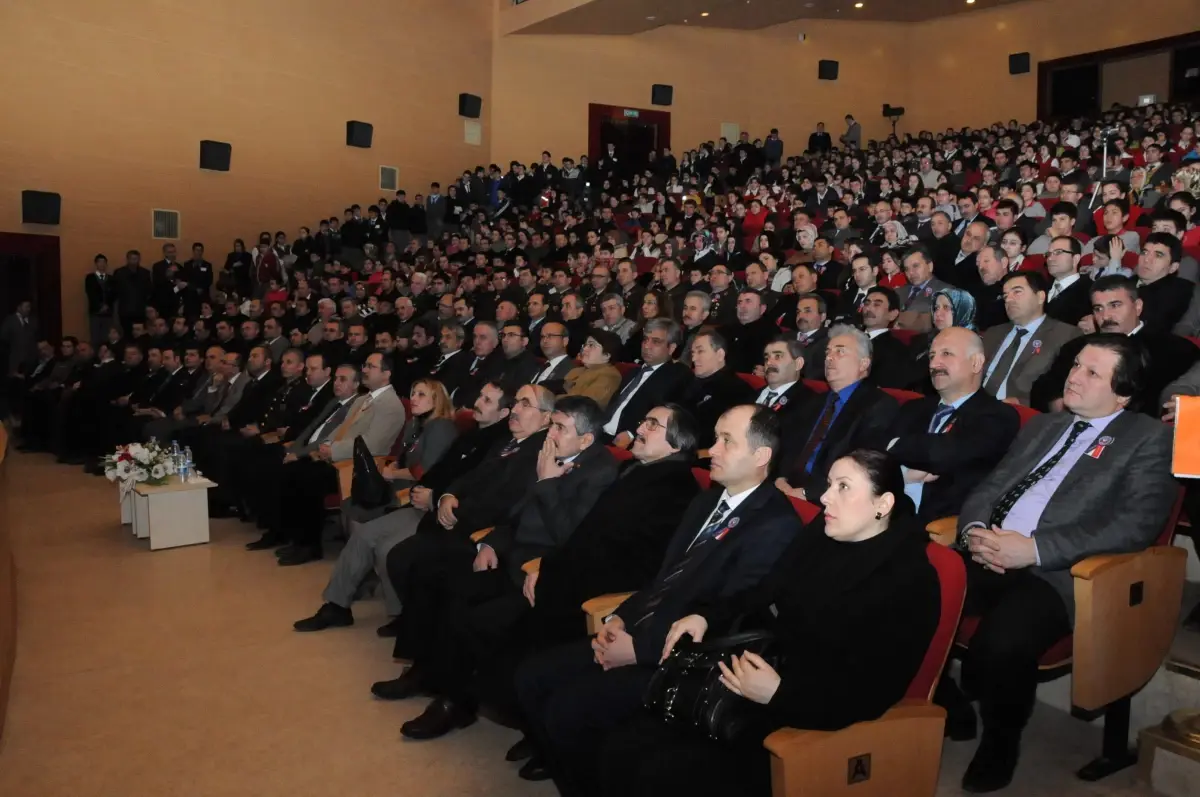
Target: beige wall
106,103
1124,81
946,73
959,74
541,85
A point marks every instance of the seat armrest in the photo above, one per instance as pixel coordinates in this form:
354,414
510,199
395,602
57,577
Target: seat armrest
943,531
404,497
532,566
345,472
600,607
899,753
479,535
1126,613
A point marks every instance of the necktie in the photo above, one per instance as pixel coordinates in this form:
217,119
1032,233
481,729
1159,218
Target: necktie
509,448
475,365
817,438
939,417
344,429
706,535
628,390
769,401
1009,499
1054,291
441,361
1000,373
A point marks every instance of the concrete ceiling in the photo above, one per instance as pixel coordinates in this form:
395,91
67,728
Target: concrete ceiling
626,17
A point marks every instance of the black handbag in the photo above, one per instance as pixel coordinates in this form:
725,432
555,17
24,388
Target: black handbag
686,689
368,488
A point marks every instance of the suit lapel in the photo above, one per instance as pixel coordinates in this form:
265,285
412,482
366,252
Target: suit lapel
1088,467
1040,447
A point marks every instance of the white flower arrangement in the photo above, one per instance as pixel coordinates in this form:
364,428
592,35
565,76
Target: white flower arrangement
137,463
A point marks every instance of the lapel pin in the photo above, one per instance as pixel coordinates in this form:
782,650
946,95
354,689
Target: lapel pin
1037,347
1105,441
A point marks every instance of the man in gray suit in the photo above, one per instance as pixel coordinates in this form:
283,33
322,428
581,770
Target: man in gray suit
1023,349
916,301
19,336
377,417
852,138
1095,479
274,340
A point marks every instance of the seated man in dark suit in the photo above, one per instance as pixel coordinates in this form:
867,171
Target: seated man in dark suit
728,539
750,334
891,361
520,366
1095,479
783,370
659,379
1117,308
487,496
950,442
1164,293
716,387
573,470
486,363
555,343
812,334
853,414
1067,300
453,365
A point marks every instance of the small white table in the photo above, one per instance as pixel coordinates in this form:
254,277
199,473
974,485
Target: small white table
173,514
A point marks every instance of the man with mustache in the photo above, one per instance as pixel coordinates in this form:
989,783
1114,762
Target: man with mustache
1117,308
948,443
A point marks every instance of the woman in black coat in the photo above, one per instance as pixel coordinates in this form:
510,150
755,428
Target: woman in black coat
857,608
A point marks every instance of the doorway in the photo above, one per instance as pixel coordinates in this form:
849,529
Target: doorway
30,269
634,132
1075,91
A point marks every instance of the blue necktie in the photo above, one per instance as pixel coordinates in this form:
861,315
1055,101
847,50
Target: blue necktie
939,418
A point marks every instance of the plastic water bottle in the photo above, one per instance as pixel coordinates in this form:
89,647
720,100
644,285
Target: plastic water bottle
185,472
176,456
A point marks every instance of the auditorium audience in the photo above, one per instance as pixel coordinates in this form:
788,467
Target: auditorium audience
272,368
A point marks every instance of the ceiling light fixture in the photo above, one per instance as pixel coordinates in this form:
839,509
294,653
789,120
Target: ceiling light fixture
858,5
970,2
704,13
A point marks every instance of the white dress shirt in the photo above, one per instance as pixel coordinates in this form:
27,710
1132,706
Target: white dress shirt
734,501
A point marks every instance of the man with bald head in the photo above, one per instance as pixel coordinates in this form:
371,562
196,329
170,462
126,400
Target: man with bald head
947,443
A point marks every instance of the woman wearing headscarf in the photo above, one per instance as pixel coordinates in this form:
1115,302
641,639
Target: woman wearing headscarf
952,307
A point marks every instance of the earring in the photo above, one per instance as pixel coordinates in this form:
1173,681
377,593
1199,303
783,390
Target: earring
879,516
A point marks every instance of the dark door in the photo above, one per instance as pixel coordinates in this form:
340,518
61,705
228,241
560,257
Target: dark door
634,140
1185,74
29,269
1075,91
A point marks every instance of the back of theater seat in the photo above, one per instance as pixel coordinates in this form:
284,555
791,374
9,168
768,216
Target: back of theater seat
756,382
902,396
703,478
464,420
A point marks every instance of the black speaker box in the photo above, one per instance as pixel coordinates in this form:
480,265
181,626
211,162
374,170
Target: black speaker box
1018,63
827,70
358,134
661,94
470,105
40,207
214,155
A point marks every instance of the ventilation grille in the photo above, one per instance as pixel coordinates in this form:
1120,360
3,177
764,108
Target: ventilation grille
389,178
166,224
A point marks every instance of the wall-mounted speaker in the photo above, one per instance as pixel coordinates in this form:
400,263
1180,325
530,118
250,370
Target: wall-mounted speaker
358,134
827,70
40,207
214,155
661,94
1018,63
470,106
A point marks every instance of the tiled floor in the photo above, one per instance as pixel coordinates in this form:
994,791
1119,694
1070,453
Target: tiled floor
176,673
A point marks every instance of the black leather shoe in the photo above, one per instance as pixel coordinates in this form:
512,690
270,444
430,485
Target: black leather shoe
534,769
264,542
330,615
408,685
390,630
300,556
520,751
285,550
960,723
441,716
994,763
